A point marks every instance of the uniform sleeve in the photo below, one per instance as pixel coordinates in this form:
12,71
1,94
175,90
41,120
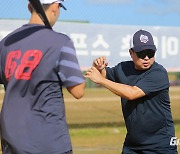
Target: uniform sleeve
153,81
68,67
115,73
111,73
0,63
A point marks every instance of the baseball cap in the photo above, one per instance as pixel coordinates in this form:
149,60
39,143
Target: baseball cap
53,1
142,40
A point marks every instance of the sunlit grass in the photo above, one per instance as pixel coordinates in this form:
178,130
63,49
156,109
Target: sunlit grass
96,122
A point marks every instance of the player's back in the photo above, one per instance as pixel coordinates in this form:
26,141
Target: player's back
33,106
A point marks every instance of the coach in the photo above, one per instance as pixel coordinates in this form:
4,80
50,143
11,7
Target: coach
143,86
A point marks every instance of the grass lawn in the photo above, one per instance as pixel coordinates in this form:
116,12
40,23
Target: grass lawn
96,122
102,140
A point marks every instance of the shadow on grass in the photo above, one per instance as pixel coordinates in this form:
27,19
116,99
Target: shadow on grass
109,124
96,125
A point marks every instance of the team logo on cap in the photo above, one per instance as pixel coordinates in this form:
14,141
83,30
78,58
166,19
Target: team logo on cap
144,39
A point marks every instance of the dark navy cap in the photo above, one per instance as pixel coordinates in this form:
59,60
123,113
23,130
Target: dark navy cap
142,40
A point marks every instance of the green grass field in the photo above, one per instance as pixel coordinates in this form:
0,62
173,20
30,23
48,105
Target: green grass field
96,123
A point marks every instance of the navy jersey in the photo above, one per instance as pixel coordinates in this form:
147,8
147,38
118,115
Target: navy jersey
35,63
148,119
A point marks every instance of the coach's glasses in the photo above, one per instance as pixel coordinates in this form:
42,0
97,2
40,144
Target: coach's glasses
142,54
60,5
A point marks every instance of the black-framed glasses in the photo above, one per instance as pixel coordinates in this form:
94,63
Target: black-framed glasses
142,54
61,5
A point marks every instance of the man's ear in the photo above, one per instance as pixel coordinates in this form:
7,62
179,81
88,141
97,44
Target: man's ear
131,52
30,8
55,7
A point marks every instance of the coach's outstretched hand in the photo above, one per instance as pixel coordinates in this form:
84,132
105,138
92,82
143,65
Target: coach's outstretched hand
100,63
94,75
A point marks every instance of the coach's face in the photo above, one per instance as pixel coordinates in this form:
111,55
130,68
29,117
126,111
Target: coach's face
142,60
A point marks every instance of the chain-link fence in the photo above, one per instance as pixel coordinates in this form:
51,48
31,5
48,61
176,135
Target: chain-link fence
83,11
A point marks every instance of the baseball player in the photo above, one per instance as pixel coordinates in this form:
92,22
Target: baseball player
143,86
35,63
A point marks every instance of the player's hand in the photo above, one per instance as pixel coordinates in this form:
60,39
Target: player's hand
100,63
94,75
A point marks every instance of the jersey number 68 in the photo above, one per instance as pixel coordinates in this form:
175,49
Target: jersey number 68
27,63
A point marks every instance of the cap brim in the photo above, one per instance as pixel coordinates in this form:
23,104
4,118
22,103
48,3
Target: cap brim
145,47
